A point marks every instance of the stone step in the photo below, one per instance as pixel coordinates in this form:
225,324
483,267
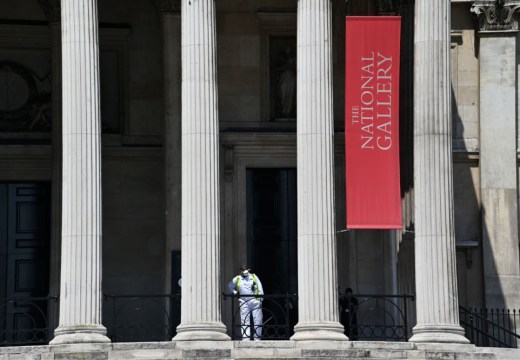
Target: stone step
354,353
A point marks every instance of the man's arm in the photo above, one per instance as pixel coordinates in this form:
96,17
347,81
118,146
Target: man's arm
260,287
232,285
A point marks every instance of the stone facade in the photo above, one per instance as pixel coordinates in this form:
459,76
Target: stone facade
153,164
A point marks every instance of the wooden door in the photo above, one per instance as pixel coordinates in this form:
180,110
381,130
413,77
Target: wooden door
24,251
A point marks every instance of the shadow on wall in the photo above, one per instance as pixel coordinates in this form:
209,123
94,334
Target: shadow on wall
468,219
406,248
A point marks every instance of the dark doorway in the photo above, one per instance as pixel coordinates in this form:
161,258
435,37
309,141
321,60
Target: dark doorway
272,232
24,262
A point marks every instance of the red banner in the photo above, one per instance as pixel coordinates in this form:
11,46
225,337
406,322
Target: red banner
372,122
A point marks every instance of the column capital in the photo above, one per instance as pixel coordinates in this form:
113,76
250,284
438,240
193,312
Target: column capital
169,6
52,10
496,16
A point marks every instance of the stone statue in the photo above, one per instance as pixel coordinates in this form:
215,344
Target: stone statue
286,84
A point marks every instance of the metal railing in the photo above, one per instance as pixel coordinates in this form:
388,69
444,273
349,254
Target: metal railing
131,318
276,320
139,318
377,317
491,327
25,320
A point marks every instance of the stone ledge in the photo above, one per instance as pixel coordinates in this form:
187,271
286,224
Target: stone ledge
350,353
141,346
284,344
282,350
382,345
204,354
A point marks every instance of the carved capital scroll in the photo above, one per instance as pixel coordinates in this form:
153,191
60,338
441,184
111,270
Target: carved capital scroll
499,15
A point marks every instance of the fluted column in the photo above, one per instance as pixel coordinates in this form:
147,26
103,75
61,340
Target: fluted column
80,293
436,277
200,304
317,273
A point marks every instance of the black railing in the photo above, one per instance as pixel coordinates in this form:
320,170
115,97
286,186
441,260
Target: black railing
493,327
377,317
25,320
139,318
276,318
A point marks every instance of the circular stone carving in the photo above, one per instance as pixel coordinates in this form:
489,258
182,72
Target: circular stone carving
14,91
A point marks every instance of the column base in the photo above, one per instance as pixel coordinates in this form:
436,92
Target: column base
318,331
213,331
438,334
80,334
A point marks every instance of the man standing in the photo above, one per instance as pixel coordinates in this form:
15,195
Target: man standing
245,284
349,307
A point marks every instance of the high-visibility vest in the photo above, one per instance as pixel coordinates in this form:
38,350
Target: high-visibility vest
255,285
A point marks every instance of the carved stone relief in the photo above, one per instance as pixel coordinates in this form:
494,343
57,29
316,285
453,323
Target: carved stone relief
388,6
499,15
25,98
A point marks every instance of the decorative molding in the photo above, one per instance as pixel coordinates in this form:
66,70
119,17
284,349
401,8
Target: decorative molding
29,107
169,6
52,10
456,38
228,163
499,15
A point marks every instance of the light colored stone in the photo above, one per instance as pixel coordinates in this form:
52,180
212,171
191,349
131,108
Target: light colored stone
80,293
317,270
251,350
498,113
435,267
148,354
200,304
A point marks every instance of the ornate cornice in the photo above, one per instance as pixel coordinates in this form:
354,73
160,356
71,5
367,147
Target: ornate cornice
168,6
499,15
52,10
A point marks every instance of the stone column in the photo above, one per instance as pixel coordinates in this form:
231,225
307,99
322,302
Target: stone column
200,304
52,10
171,25
436,277
498,152
80,294
317,273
